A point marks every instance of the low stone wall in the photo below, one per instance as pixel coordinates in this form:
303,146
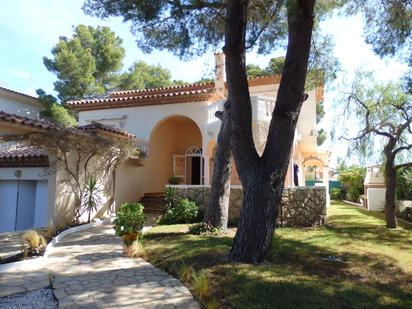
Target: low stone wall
303,206
300,206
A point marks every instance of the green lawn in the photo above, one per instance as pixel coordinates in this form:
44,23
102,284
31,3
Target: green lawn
373,267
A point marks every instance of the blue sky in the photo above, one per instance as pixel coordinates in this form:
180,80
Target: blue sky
29,29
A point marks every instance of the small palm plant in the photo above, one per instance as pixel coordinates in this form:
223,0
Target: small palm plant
91,198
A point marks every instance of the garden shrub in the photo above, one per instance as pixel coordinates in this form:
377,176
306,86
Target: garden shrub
129,219
352,179
336,194
404,184
203,228
184,211
171,197
174,180
406,214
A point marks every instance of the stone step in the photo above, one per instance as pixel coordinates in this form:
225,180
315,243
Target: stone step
154,211
154,194
152,200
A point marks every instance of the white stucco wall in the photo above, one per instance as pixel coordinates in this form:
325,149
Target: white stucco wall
376,199
141,120
20,107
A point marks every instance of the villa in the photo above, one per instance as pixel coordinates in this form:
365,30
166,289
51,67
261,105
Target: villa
179,129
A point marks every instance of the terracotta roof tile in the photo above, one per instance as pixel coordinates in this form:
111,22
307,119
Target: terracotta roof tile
26,156
27,122
158,96
149,97
165,90
98,126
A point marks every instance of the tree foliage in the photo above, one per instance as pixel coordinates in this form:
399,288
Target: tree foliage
142,75
192,27
321,137
404,184
274,67
89,63
55,112
388,28
383,111
86,63
352,179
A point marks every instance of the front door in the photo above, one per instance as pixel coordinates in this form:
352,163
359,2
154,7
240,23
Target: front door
195,170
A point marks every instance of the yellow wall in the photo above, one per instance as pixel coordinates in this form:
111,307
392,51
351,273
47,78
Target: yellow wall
171,136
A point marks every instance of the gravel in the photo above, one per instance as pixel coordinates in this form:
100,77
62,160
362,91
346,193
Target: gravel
37,299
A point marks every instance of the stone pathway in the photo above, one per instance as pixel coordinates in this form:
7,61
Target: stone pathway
22,280
89,271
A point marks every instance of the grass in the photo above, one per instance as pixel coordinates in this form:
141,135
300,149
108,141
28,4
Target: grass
352,262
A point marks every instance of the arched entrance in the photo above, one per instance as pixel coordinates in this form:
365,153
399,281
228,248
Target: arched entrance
175,149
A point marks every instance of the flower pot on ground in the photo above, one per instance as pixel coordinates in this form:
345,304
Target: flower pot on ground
128,224
130,242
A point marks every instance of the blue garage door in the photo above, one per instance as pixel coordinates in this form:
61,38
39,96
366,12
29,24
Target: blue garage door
23,204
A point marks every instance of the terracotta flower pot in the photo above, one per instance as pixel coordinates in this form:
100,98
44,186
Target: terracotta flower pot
129,242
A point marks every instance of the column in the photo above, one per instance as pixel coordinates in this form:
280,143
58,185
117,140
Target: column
326,183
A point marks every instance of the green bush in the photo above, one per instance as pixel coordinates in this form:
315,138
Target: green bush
352,179
174,180
406,214
404,184
172,197
129,219
336,194
184,211
203,228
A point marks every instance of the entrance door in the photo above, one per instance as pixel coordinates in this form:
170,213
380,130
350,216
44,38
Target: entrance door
195,170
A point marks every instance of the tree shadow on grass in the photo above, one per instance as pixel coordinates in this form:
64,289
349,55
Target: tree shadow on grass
251,288
297,274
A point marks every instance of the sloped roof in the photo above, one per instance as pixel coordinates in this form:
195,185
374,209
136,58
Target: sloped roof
154,96
168,95
5,92
27,122
27,156
101,127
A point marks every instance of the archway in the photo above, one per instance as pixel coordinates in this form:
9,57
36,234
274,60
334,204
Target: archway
314,170
175,150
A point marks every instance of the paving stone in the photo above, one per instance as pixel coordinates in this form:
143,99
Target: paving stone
94,274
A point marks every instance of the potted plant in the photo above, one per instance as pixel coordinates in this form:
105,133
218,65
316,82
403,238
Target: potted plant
128,224
175,180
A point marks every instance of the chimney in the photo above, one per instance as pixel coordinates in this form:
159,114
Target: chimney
220,73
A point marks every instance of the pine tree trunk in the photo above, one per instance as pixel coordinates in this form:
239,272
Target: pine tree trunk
253,240
263,177
217,211
390,195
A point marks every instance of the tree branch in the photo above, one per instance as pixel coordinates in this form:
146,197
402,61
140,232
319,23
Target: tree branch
252,42
402,148
403,165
